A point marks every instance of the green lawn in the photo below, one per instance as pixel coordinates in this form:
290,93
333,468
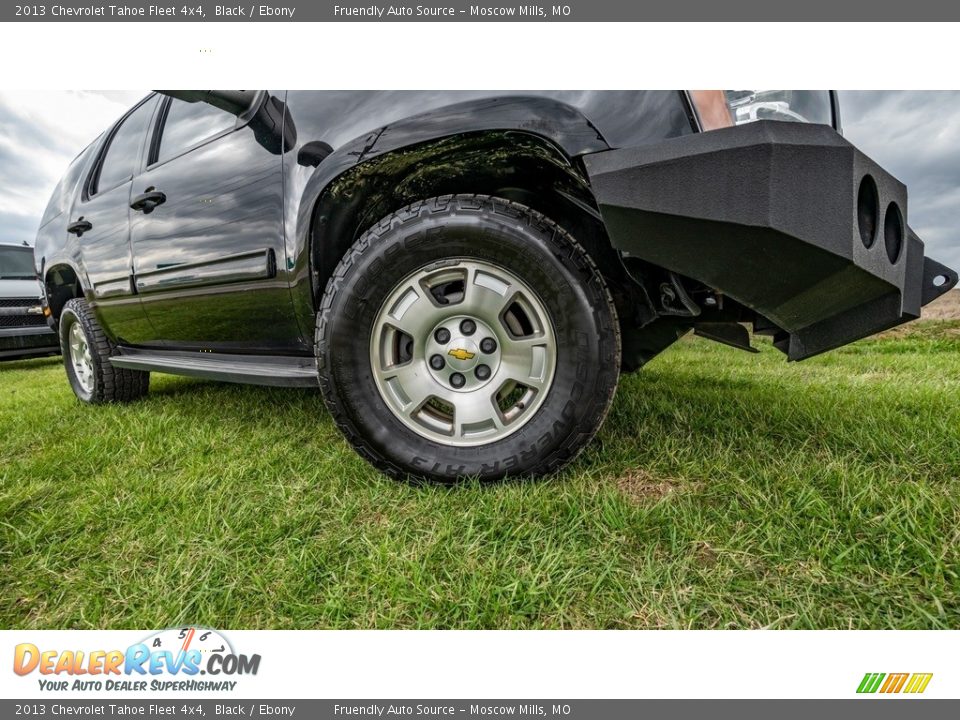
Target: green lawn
725,491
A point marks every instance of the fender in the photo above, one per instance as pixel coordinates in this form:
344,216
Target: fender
56,249
557,124
55,302
64,254
561,124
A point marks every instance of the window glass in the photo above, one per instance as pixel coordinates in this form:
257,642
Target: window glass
63,192
189,123
16,263
120,161
812,106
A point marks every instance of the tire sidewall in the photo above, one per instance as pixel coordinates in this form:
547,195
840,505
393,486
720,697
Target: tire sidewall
68,318
565,283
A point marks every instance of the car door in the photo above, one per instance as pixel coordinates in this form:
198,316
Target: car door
207,235
100,220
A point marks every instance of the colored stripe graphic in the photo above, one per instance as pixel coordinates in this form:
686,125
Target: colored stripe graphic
870,682
918,682
894,683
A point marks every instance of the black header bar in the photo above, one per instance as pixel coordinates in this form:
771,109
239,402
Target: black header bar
854,11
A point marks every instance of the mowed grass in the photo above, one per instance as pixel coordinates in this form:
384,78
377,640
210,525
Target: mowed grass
725,491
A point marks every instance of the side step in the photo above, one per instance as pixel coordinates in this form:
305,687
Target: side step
274,370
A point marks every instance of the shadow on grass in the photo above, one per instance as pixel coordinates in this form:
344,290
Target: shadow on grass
235,402
30,363
756,412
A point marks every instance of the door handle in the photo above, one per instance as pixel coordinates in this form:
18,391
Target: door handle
79,227
148,201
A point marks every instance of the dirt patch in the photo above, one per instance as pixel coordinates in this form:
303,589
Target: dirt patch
649,619
704,553
641,486
945,307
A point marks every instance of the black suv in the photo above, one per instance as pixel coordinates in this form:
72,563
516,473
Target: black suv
466,274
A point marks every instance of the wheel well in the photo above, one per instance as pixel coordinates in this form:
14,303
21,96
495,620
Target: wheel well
61,284
518,166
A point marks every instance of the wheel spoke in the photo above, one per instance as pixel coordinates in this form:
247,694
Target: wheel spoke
414,312
476,414
487,295
410,385
528,361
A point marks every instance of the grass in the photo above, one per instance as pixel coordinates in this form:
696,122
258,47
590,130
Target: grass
725,491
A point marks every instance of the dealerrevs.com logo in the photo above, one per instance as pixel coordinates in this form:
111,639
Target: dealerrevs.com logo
171,659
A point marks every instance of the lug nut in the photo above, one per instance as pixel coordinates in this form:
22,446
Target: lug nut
482,372
442,336
488,345
437,362
457,380
468,327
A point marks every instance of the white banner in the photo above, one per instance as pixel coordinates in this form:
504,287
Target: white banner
483,664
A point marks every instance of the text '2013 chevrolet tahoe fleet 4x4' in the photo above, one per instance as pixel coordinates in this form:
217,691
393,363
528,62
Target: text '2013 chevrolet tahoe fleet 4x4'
466,274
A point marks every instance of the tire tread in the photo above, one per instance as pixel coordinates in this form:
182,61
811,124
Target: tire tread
563,245
111,384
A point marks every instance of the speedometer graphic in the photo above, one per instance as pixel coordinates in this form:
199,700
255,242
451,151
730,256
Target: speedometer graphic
189,637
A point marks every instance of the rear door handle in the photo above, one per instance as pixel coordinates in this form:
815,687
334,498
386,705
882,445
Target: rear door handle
79,227
148,201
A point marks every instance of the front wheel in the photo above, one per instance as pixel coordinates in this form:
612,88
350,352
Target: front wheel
467,336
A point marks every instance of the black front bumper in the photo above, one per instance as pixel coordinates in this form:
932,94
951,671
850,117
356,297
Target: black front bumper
772,214
24,342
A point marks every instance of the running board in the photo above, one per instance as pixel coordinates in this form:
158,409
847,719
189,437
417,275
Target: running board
274,370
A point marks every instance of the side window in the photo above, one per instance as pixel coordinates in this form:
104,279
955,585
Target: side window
63,193
186,124
120,161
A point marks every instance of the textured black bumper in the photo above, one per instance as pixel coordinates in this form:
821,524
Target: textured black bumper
772,214
27,342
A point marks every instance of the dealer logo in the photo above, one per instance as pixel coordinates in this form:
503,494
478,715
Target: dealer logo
166,660
911,683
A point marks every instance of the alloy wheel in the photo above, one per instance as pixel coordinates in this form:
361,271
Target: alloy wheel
463,354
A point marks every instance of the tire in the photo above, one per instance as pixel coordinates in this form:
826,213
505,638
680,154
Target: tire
93,378
559,327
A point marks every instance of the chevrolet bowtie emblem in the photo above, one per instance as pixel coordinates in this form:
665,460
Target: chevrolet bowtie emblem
461,354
